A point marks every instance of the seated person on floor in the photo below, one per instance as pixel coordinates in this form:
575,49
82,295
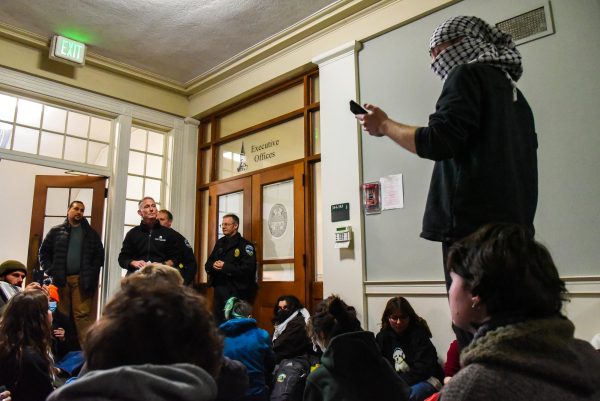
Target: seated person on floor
232,381
352,367
156,340
247,343
290,338
507,291
26,366
404,340
12,274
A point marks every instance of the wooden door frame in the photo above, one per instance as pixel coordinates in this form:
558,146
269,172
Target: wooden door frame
44,182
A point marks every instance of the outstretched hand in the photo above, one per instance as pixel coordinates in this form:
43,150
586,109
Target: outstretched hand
374,122
377,123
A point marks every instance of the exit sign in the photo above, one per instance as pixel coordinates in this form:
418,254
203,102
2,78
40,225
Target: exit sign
67,50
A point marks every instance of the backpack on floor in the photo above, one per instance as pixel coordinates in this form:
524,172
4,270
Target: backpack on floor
289,378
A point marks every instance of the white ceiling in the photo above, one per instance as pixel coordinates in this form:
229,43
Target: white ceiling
175,39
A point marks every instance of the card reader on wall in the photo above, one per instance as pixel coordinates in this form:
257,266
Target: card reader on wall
343,237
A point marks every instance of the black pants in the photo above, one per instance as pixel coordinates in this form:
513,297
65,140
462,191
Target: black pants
463,337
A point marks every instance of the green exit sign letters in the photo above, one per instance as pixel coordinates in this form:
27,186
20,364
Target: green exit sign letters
67,51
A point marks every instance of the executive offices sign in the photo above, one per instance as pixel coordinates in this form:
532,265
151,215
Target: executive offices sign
267,148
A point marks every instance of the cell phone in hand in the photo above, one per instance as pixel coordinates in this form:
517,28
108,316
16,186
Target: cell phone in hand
357,108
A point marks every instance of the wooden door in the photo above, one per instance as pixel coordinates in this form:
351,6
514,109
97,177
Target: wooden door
228,197
278,211
272,208
51,198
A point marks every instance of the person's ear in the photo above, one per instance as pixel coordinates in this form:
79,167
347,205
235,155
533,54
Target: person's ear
476,302
139,212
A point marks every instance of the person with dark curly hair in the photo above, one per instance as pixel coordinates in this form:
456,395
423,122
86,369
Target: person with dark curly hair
26,366
404,340
352,367
156,340
507,292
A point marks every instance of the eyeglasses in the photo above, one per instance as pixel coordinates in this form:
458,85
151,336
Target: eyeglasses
226,225
398,318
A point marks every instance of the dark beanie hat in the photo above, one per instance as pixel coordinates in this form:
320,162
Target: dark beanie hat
11,266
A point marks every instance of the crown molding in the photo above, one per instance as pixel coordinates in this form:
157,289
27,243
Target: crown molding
293,36
40,42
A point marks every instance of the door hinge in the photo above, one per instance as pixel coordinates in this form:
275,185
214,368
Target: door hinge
303,179
106,193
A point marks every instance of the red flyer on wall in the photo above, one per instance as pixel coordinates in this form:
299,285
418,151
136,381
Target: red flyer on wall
371,197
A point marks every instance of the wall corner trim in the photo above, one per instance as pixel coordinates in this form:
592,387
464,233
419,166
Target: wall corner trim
340,51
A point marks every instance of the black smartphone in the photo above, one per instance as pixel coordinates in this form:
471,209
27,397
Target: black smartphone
357,108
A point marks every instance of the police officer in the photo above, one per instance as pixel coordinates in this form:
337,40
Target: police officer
187,266
231,267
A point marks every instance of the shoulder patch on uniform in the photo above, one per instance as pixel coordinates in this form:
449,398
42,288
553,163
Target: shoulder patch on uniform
236,253
187,243
249,250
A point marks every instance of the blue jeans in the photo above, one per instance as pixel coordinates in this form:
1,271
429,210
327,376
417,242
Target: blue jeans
421,391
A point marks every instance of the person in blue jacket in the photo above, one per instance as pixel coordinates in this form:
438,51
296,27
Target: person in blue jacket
249,344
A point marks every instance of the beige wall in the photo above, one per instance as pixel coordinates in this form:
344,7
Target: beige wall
33,60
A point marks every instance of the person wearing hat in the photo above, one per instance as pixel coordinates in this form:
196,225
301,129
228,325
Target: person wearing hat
12,274
481,136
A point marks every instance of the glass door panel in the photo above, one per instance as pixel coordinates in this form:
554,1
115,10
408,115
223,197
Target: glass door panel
278,231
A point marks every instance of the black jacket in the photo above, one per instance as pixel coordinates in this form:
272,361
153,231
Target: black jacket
484,145
31,381
187,266
53,255
155,244
239,270
415,348
352,369
293,341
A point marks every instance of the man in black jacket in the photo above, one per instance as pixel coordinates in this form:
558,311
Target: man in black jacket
231,267
482,135
149,242
72,254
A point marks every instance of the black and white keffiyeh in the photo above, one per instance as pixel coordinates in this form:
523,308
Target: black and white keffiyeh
481,43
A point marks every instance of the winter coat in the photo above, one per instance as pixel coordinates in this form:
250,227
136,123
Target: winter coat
155,244
181,382
250,345
352,369
53,255
526,361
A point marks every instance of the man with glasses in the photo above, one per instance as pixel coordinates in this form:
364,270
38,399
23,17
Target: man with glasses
231,267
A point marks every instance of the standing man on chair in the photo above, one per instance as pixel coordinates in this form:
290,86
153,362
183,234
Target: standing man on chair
72,254
231,267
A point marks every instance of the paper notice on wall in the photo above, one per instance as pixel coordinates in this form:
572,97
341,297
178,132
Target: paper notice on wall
392,194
